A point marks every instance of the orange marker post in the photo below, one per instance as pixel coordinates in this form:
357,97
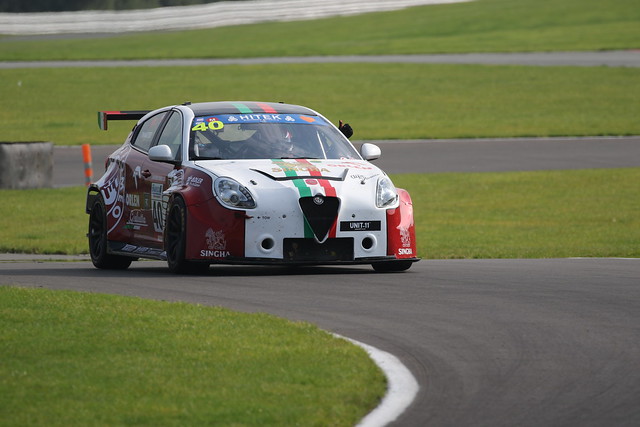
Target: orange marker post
88,168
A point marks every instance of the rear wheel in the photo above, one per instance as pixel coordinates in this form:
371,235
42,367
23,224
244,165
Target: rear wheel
98,240
391,266
176,240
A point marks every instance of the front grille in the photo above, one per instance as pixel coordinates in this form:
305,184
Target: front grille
339,249
321,213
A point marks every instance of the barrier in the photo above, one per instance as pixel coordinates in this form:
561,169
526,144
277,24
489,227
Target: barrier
26,165
209,15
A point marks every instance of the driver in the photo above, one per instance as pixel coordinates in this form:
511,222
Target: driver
269,140
206,144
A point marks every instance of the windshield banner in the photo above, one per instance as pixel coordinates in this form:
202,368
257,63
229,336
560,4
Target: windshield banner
218,121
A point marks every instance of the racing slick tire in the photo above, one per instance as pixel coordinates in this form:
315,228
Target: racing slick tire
100,257
391,266
176,240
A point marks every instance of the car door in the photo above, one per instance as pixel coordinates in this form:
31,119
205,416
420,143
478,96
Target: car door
156,178
137,209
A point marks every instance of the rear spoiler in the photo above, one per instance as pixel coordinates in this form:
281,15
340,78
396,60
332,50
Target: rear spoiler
105,116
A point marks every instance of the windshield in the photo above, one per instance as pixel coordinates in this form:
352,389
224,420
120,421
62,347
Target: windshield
267,136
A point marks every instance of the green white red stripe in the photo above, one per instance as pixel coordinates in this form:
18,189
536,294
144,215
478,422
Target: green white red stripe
290,170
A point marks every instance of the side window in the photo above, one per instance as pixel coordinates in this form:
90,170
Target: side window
148,129
172,134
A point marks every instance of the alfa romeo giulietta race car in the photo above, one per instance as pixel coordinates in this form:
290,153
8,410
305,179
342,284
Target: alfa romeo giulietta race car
245,183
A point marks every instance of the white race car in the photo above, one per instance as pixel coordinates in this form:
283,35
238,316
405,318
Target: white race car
245,183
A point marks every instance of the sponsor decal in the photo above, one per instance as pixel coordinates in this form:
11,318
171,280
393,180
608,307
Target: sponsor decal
214,254
360,225
363,178
176,178
156,191
405,236
137,173
351,165
136,220
218,122
133,200
142,250
114,189
194,181
405,251
216,245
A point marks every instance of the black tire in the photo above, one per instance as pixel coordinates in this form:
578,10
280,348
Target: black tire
175,240
391,266
100,257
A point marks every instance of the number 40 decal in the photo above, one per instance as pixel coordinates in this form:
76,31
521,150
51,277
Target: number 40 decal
213,125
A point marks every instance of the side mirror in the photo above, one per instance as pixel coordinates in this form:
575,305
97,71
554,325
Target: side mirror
370,151
161,153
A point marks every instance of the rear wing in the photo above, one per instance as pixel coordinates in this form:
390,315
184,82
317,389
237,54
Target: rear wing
105,116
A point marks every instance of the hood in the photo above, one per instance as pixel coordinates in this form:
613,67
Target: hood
287,169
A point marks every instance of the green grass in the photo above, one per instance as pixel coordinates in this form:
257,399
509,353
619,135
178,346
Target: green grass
478,26
383,101
44,221
545,214
87,359
542,214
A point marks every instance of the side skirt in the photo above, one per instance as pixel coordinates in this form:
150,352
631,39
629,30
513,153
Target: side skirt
126,249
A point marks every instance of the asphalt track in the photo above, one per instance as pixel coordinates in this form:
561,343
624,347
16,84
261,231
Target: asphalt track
613,58
431,156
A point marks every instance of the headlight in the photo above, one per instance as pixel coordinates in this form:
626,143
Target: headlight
232,194
386,194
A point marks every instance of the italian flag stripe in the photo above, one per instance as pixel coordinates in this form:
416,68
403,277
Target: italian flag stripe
242,108
303,189
329,191
266,108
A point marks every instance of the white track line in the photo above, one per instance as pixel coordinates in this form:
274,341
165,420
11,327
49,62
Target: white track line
402,387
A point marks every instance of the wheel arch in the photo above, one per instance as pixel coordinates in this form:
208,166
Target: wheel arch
92,193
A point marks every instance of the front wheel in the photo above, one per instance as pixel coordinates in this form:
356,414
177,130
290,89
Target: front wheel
176,240
391,266
100,257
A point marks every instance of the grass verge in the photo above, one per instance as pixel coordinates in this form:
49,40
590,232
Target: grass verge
44,221
543,214
382,101
87,359
477,26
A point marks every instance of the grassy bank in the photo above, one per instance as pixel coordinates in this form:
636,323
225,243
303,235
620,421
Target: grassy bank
463,215
545,214
383,101
85,359
477,26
